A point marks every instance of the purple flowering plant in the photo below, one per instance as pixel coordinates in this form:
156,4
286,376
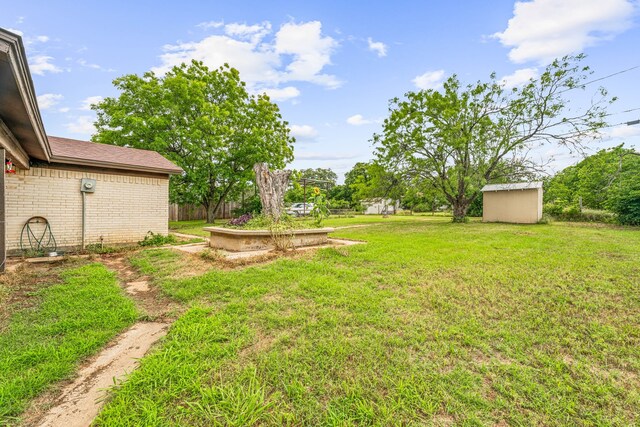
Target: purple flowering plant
241,220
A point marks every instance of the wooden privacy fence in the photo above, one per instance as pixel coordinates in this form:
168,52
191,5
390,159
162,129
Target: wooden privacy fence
194,212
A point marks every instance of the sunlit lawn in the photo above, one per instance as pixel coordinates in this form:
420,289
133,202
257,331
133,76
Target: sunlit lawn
430,323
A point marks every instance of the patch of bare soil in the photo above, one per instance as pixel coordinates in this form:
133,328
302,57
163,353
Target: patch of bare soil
78,403
147,296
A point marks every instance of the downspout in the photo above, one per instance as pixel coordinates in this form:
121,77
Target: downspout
84,216
87,185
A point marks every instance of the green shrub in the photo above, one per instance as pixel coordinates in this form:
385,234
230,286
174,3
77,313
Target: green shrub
421,207
626,205
252,205
554,208
475,209
339,204
560,211
153,239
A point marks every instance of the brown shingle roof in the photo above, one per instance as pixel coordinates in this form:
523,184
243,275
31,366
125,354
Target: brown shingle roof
73,151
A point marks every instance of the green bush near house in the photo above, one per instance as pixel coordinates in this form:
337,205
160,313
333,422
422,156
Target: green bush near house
153,239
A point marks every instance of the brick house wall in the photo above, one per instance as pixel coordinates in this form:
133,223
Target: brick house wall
123,208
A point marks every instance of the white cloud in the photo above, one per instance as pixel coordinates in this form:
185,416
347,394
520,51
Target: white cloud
296,52
64,109
282,94
542,30
86,103
254,33
303,131
358,120
42,39
84,63
623,131
210,24
429,80
41,64
311,52
377,47
82,124
48,100
519,77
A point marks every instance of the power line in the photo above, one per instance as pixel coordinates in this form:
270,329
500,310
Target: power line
622,112
600,79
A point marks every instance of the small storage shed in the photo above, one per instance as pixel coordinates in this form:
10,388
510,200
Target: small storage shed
519,202
87,192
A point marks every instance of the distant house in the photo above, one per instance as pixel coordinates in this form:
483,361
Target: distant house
86,192
516,202
380,206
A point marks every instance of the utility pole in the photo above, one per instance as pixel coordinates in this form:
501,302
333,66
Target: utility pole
631,123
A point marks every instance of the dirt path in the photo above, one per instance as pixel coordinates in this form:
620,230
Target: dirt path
148,298
79,402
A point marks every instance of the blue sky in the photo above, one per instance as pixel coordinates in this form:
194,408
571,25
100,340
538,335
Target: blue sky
332,66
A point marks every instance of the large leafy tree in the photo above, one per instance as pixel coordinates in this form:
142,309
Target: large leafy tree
463,137
376,181
325,179
328,176
594,178
609,179
203,120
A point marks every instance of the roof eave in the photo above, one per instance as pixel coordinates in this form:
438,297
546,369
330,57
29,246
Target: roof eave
113,165
12,46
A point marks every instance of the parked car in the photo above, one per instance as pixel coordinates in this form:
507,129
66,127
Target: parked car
300,209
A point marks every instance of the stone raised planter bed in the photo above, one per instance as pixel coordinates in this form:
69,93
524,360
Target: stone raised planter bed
237,240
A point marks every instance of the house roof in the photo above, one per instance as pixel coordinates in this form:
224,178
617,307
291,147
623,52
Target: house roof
20,120
512,186
86,153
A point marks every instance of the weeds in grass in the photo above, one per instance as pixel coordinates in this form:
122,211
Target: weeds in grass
281,236
213,255
153,239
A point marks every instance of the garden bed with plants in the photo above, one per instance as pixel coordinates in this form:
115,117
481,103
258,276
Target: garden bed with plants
273,229
248,233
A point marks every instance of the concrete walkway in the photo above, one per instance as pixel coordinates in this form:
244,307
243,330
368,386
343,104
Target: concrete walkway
79,402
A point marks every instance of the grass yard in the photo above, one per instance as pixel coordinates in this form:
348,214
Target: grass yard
50,325
429,323
194,227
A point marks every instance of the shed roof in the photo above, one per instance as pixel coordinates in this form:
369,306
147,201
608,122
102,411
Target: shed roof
512,186
86,153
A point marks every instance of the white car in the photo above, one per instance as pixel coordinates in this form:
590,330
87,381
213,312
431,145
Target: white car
300,209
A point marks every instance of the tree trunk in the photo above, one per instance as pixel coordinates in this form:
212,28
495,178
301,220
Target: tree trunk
272,186
211,213
460,211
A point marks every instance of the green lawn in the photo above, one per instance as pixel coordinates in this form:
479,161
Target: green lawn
430,323
51,327
194,227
